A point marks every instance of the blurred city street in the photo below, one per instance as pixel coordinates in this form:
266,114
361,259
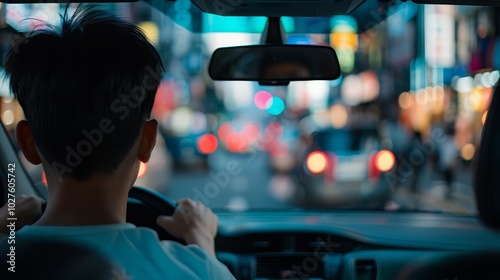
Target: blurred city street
258,187
432,193
249,187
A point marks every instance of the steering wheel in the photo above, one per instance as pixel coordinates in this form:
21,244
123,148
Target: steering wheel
145,205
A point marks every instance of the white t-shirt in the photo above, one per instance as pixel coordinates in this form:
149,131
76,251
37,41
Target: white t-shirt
137,250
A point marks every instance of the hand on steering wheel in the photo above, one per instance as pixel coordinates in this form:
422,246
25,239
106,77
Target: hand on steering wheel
187,222
192,222
145,206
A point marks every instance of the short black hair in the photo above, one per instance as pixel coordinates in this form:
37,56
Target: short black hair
86,86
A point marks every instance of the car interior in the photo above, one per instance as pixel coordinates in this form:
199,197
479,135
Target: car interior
321,243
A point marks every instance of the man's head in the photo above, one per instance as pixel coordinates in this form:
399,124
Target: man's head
87,88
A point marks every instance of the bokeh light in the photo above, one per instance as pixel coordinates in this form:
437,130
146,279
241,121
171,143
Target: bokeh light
181,121
338,116
275,129
207,143
316,162
237,143
225,130
384,160
405,100
467,152
251,132
261,98
275,106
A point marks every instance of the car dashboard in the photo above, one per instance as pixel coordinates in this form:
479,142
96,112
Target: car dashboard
343,245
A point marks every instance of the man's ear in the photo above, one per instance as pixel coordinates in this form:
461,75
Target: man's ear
27,143
148,140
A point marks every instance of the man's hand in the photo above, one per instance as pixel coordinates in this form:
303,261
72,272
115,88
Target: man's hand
28,209
193,222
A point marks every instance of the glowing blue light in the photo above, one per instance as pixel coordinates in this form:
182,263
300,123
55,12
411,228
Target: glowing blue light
275,106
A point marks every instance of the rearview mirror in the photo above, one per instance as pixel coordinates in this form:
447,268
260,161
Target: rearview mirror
274,64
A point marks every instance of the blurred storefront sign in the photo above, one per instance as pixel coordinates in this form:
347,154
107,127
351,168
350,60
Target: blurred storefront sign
439,31
216,23
344,39
401,39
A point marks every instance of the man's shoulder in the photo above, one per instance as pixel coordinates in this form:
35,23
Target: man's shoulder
101,236
49,231
129,246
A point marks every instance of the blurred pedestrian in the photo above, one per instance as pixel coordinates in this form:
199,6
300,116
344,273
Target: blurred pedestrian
417,159
448,154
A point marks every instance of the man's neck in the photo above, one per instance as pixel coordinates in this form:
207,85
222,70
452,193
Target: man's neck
83,204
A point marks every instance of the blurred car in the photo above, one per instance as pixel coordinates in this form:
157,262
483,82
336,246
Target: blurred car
187,138
190,150
343,168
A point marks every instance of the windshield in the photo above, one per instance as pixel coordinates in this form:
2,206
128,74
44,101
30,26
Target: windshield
397,131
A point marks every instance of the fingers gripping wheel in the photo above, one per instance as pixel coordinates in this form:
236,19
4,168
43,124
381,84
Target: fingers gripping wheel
145,205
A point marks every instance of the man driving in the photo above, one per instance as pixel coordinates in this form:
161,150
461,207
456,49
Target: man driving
87,88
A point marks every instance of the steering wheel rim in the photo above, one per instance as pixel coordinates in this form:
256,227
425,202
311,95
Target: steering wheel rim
145,205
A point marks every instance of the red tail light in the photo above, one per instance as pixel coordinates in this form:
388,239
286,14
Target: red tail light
380,162
207,143
384,160
317,162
